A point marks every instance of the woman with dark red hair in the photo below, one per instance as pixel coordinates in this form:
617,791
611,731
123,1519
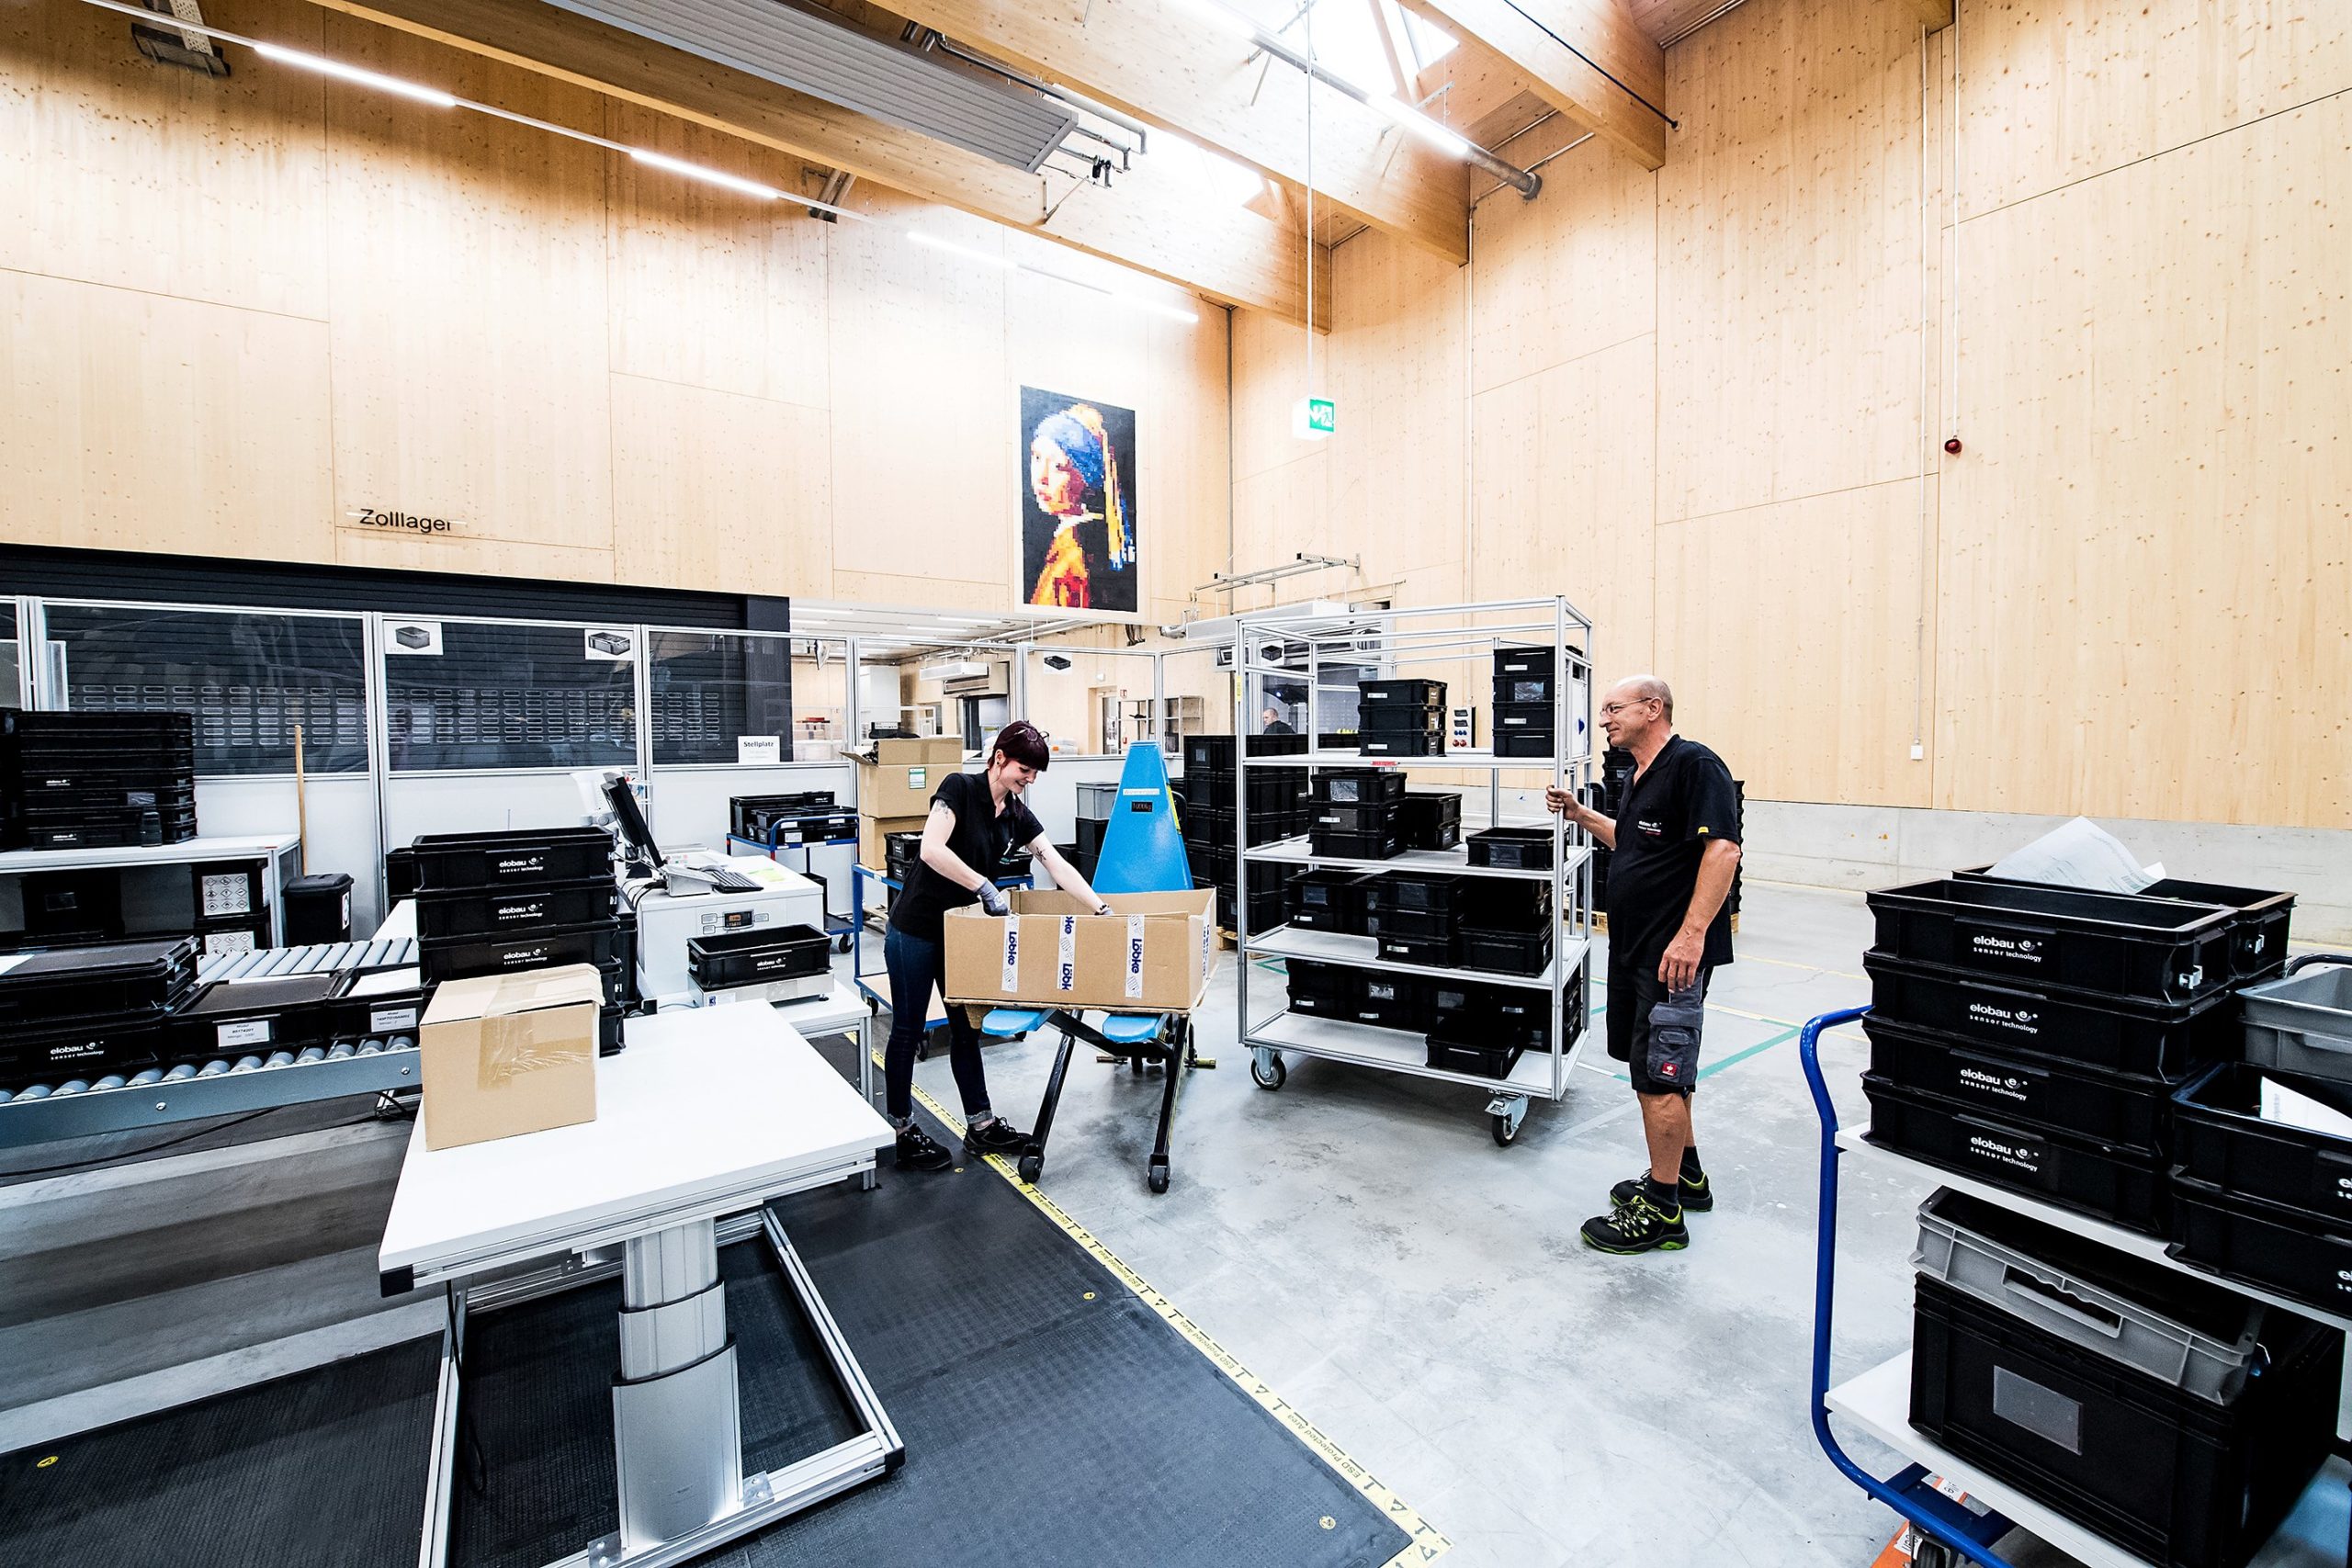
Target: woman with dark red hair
975,819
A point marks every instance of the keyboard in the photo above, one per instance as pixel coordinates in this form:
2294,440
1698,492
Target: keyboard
725,881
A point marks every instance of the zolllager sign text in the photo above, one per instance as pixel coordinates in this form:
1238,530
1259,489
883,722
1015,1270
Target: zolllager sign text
378,519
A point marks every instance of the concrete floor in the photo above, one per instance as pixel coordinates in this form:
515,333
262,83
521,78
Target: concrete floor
1358,1241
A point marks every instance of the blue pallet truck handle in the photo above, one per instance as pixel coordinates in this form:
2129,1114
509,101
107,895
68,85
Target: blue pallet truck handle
1908,1492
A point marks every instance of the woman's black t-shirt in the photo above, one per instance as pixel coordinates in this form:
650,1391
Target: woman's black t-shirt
981,839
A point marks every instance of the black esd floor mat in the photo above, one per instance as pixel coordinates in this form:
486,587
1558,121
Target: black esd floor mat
322,1467
1050,1416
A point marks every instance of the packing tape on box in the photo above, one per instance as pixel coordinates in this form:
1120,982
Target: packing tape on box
1066,961
522,1048
1011,957
1134,956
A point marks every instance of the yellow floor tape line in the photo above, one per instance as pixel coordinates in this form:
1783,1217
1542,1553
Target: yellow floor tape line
1424,1543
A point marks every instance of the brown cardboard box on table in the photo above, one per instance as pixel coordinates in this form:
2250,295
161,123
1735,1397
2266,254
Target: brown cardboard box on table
897,778
1154,953
873,833
510,1053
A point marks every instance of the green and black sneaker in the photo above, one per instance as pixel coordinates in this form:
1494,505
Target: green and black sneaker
1696,1195
1639,1225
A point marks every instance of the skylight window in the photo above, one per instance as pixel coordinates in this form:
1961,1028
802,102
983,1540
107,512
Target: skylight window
1348,43
1425,43
1219,179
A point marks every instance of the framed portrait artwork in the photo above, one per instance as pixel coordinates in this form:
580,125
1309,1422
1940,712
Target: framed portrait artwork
1077,502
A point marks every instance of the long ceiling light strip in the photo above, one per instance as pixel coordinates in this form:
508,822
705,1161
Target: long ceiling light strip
437,98
1436,134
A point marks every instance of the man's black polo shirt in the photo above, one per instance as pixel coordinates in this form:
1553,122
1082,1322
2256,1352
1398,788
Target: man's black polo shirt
1678,806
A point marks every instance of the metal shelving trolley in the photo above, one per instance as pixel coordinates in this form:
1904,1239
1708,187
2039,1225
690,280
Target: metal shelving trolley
1423,642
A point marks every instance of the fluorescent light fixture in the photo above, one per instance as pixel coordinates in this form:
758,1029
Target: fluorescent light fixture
951,248
337,69
1421,125
708,176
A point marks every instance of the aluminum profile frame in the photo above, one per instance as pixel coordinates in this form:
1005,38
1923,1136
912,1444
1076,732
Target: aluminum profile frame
826,58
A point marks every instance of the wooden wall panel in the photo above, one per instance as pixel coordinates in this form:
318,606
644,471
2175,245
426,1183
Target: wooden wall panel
471,317
117,170
1398,489
136,421
719,490
2057,90
2148,559
1789,282
1788,632
1572,272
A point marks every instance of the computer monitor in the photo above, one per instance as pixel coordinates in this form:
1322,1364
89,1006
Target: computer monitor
636,836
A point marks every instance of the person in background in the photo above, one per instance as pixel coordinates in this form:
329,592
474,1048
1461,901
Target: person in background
1272,722
1675,847
976,819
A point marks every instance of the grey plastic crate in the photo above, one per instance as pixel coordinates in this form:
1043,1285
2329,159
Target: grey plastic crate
2301,1024
1096,800
2053,1288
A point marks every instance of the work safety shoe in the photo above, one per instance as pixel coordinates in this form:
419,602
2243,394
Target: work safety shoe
919,1151
1697,1196
1639,1226
999,1137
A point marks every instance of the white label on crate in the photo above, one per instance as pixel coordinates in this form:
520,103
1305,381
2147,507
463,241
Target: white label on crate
1011,955
248,1031
1134,956
228,941
381,1019
227,894
759,747
1066,959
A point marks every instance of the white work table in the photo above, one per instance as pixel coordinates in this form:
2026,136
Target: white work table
707,1113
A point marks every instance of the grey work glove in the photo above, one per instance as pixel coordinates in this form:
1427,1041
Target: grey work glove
993,900
1100,907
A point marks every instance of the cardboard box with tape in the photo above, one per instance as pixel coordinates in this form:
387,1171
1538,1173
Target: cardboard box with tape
510,1053
1154,953
897,778
873,838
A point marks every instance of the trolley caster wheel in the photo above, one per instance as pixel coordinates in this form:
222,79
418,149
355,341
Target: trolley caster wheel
1158,1179
841,944
1269,1072
1030,1167
1506,1132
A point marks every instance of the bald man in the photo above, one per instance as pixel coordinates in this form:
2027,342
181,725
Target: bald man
1674,844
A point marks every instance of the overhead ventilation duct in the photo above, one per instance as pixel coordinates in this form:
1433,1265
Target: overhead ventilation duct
825,57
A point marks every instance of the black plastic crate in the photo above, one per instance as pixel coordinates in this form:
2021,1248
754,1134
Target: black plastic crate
1399,718
495,911
1400,694
1271,789
1512,849
1210,864
1474,1057
1208,825
115,828
1430,820
1328,900
1521,690
2146,1040
1513,662
2032,1091
2093,1179
1392,1002
86,982
2259,935
1376,816
1524,718
143,792
2170,1477
1504,1015
612,1025
83,1050
835,827
81,903
1424,924
1089,836
1506,904
1378,845
2222,1139
1428,952
1410,743
1506,952
749,815
361,1008
1266,910
2151,949
140,725
1524,743
2267,1246
1326,990
1439,894
232,1018
448,861
598,941
1357,786
756,956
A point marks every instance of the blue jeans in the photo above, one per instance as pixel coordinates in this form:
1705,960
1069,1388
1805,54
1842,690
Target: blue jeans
915,967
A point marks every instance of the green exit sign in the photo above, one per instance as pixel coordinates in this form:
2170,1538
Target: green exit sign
1314,417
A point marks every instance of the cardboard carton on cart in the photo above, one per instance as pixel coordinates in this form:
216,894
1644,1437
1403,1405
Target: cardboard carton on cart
1154,953
897,778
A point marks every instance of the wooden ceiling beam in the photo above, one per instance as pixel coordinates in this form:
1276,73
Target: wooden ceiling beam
1935,14
1162,63
1589,59
1223,252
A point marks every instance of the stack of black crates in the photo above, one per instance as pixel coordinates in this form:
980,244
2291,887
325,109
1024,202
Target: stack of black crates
95,780
1526,690
810,817
1276,809
1095,801
527,898
901,853
88,1017
2033,1036
1400,718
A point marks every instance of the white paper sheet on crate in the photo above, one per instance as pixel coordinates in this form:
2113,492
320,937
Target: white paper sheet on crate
2287,1107
2080,854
